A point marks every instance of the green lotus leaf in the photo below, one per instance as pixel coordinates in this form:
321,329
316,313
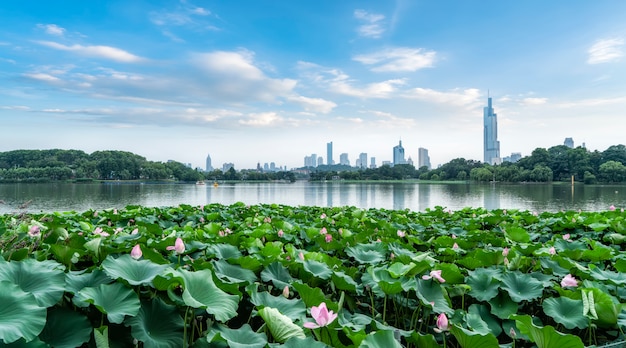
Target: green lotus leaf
473,339
399,269
380,339
115,300
20,314
157,325
547,336
21,343
566,311
309,342
200,291
502,306
553,267
431,293
310,296
478,258
233,273
343,281
483,284
135,272
280,326
423,341
243,337
522,286
607,307
294,309
66,328
451,273
614,277
317,269
224,251
101,337
277,274
44,279
367,253
482,311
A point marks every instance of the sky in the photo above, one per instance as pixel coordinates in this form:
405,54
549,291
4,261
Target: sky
248,81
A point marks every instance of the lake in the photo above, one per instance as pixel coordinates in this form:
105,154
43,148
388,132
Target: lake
414,196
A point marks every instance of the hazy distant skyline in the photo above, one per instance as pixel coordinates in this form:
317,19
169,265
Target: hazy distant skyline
273,81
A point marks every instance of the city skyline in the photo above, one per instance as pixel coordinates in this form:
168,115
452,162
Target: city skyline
251,82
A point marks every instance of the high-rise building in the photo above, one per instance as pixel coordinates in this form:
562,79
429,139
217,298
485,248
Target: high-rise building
423,160
491,145
329,153
362,160
320,161
373,162
343,159
398,154
226,166
209,167
569,142
310,161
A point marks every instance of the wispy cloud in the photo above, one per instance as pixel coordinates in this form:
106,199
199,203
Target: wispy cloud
106,52
42,77
534,101
372,27
605,51
52,29
400,59
469,97
262,119
313,104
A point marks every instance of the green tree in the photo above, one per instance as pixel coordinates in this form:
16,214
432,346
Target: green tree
613,171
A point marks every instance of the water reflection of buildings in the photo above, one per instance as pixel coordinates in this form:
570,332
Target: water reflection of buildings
423,197
491,197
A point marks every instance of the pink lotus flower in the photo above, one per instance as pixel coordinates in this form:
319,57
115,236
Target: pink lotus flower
505,252
34,231
267,220
98,231
136,253
301,256
569,280
286,291
323,216
454,236
323,230
401,234
552,251
328,238
442,323
455,246
323,317
435,274
612,207
280,233
566,236
135,231
179,246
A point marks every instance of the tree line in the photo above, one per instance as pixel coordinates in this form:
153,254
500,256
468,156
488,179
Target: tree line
557,163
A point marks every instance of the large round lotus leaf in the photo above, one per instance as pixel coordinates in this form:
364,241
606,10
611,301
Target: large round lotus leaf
277,274
135,272
484,286
380,339
20,315
157,325
44,279
281,327
66,328
469,338
566,311
115,300
243,337
521,286
294,309
547,336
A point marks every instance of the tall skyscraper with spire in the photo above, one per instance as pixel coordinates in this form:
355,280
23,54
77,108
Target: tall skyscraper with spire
491,145
398,154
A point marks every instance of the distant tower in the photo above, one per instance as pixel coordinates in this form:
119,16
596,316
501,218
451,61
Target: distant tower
423,160
363,160
398,154
209,167
491,143
329,153
569,142
343,159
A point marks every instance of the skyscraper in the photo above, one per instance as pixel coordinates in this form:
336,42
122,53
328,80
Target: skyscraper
569,142
491,145
343,159
362,160
329,153
398,154
423,160
209,167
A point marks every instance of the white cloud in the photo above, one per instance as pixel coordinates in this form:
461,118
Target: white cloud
382,89
52,29
534,101
313,104
42,77
373,27
15,107
593,102
605,51
398,59
262,119
459,97
106,52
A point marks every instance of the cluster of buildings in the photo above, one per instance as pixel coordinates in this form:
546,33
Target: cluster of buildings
491,151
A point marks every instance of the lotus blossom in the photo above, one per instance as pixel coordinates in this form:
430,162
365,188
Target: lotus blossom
98,231
286,291
323,317
280,233
323,230
34,231
328,238
136,253
566,236
455,246
552,251
435,274
442,323
323,216
569,280
301,256
612,207
401,234
505,252
179,246
135,231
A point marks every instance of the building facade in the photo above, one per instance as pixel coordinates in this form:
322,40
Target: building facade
423,160
208,167
329,154
343,159
363,160
398,154
491,145
569,142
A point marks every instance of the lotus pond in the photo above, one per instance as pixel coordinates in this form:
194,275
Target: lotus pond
284,276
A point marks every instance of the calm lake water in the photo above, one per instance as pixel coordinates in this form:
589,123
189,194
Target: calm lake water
414,196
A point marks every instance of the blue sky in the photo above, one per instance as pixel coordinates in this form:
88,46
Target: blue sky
272,81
